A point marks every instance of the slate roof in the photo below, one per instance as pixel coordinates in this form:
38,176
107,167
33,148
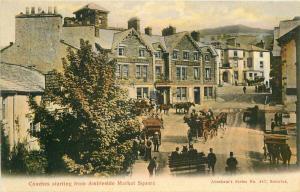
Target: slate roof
245,47
92,6
106,38
110,39
16,78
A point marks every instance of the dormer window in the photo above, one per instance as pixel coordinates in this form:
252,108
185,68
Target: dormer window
186,55
142,52
121,51
175,54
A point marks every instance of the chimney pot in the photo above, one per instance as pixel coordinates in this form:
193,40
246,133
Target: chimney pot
169,31
196,35
148,31
134,23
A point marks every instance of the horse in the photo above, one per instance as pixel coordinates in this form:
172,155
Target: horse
165,108
183,105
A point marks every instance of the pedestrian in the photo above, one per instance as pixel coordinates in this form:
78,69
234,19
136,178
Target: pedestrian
211,114
244,89
148,150
288,154
184,150
265,152
211,160
175,154
256,90
192,151
231,163
152,166
272,125
276,118
190,136
156,141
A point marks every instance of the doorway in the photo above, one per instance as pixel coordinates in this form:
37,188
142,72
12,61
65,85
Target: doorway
197,95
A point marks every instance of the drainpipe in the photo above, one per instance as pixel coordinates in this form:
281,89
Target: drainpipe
297,39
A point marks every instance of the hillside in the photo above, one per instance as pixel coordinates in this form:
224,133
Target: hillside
234,29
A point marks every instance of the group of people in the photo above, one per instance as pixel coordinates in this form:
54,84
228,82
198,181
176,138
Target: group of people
184,152
202,113
231,162
143,147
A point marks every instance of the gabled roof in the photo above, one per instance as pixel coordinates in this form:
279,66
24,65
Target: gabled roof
92,6
156,41
16,78
120,36
172,40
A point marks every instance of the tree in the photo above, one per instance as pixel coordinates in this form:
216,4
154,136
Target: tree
92,130
4,150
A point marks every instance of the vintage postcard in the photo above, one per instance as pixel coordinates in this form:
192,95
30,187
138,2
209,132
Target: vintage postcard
150,95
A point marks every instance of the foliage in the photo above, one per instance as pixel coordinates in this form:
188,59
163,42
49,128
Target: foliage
27,162
36,162
18,156
92,130
4,150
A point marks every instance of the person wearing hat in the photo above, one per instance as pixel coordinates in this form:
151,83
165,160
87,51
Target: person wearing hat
211,160
156,141
231,163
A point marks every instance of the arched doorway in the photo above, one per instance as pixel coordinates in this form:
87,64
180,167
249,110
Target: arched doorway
225,77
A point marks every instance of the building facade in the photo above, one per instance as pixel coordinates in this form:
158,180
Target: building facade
170,68
16,84
290,47
242,62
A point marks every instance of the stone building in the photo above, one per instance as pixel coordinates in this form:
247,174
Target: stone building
290,49
171,67
276,60
241,62
16,84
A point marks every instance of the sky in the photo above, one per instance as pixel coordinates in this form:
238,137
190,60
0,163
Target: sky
158,14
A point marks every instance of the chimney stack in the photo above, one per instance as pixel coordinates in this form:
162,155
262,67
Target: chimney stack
32,10
196,35
169,31
148,31
134,23
49,10
27,10
55,10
